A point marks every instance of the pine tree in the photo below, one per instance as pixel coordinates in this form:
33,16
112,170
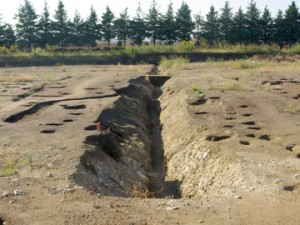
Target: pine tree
76,27
184,23
107,25
137,27
253,23
152,22
211,26
60,25
280,35
92,31
121,27
198,32
239,30
292,24
168,26
267,26
225,22
44,28
7,36
26,27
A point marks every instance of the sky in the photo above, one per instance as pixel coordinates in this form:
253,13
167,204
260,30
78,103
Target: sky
9,8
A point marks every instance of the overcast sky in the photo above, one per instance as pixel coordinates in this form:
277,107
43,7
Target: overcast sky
9,8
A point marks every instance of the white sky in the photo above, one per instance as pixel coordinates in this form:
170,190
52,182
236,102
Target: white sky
9,8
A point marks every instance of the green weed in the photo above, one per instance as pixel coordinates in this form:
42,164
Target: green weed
233,86
173,61
28,160
290,108
137,192
197,89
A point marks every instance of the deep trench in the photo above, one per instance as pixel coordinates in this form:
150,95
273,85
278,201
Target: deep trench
130,143
158,186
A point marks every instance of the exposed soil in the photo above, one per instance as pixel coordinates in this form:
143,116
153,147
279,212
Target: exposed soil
165,155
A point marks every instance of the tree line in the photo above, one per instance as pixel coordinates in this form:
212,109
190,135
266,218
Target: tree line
250,26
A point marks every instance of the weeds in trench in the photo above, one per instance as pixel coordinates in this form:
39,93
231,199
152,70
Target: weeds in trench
137,192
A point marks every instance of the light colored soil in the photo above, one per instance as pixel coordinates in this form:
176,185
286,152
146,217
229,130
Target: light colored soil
220,181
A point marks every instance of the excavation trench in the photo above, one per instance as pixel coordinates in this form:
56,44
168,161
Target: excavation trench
127,158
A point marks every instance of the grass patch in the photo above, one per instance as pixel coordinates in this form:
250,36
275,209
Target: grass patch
173,61
28,160
17,79
232,85
245,64
197,90
8,163
290,108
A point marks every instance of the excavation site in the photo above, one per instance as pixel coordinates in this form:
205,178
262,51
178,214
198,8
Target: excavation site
201,143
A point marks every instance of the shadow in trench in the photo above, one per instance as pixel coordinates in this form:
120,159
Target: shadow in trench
158,185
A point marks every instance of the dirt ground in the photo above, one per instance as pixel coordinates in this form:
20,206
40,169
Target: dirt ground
230,133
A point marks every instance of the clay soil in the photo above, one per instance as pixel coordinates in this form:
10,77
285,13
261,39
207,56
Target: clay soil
244,115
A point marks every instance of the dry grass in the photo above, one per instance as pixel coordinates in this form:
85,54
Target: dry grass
233,85
18,78
8,161
291,108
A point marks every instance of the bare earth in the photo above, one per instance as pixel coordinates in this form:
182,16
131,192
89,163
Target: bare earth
230,132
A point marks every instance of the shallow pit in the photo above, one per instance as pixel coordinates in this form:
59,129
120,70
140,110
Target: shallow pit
217,138
244,142
54,124
289,188
48,131
68,121
201,113
265,137
254,128
82,106
249,123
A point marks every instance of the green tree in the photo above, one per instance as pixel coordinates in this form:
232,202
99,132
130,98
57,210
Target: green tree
184,23
153,22
168,26
44,28
225,22
292,24
279,36
107,25
239,30
137,27
26,27
92,29
7,36
267,27
211,27
76,31
60,25
122,27
253,33
198,32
